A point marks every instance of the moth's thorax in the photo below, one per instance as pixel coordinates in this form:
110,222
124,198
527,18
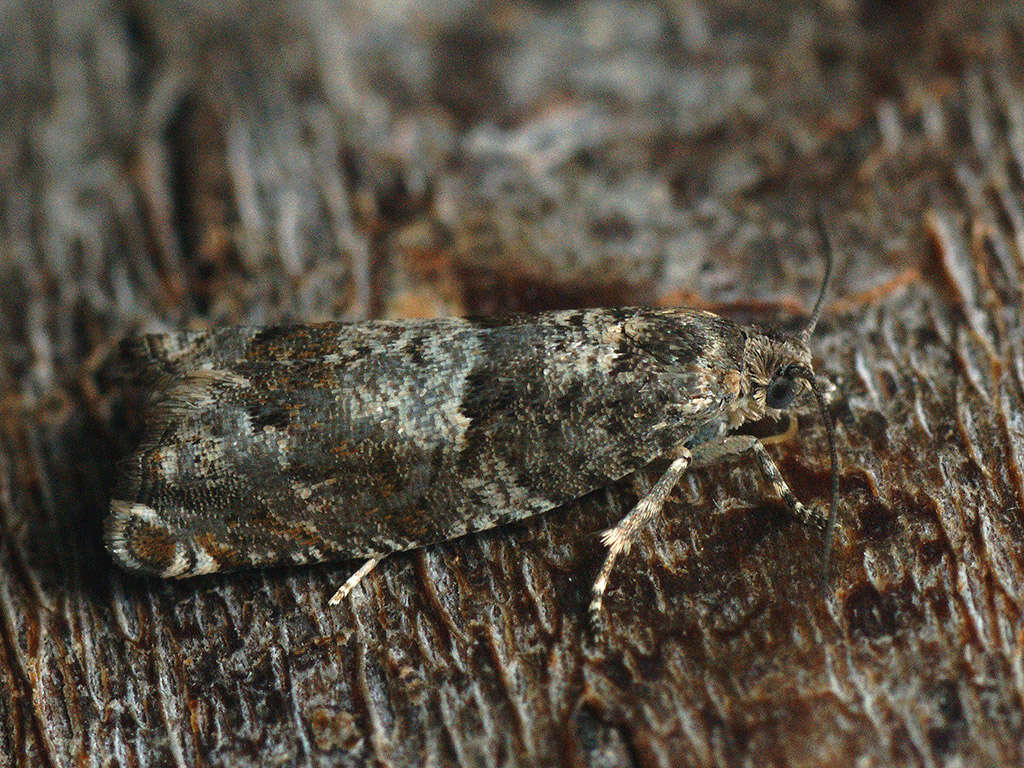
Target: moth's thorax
765,354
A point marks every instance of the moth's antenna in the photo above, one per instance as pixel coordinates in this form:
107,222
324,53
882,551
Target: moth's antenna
819,220
806,373
802,372
830,430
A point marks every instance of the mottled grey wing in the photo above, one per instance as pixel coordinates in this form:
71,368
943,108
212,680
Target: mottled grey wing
350,440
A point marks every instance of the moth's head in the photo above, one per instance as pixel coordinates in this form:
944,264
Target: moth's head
776,366
776,369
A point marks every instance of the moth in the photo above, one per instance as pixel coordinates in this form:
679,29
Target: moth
338,441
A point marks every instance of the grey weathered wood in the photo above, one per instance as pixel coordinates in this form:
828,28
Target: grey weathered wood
193,164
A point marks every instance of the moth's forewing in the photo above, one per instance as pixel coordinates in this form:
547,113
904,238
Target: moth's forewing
332,441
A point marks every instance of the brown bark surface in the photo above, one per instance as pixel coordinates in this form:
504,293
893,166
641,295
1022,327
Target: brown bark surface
170,165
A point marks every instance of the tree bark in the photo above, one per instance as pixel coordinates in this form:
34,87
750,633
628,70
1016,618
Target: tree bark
170,165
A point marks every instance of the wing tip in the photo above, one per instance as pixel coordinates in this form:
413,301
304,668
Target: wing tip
140,541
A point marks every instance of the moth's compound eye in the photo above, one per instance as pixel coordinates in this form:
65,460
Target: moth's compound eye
780,392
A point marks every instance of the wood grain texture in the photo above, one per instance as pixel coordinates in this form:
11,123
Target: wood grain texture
190,165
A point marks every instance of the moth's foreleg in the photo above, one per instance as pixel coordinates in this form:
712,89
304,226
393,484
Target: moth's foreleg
792,427
354,579
620,538
707,452
804,514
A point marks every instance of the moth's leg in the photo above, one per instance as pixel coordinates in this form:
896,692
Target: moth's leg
354,579
707,452
620,538
781,437
712,451
804,514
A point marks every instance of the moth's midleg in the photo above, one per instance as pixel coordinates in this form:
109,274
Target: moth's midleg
620,538
354,579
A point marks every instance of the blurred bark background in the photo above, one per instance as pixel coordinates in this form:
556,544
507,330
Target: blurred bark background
187,164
